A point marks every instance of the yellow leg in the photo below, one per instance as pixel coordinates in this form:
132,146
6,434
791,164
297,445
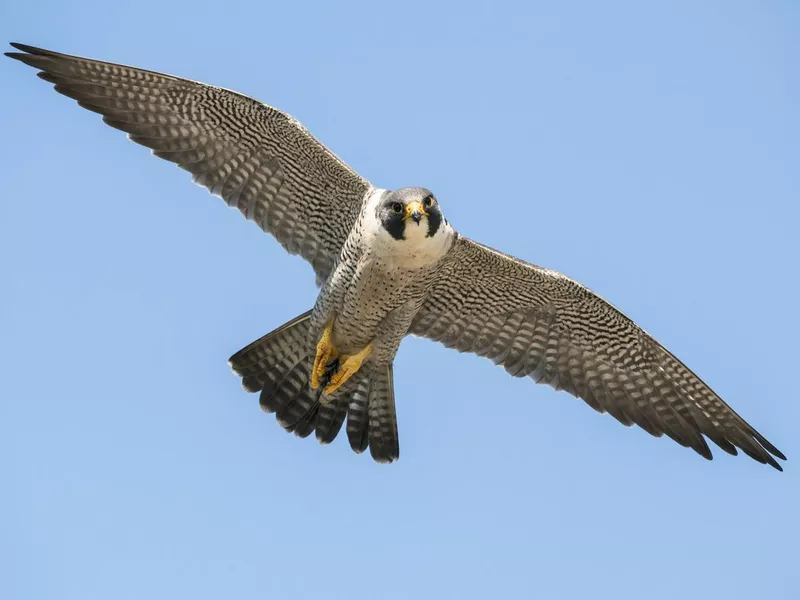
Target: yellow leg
348,367
326,352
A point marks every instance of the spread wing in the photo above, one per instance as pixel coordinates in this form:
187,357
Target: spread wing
258,159
541,324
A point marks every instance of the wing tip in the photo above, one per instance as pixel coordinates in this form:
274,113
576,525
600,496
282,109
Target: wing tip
757,448
33,58
769,460
764,453
764,459
20,56
705,451
27,48
770,452
35,50
774,463
769,447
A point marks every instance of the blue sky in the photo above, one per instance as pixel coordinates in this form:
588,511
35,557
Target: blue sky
649,150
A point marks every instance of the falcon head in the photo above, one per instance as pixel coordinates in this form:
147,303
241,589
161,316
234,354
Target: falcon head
410,214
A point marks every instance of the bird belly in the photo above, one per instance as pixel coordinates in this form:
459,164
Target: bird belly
377,306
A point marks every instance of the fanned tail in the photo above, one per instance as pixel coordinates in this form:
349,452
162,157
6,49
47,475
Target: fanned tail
278,366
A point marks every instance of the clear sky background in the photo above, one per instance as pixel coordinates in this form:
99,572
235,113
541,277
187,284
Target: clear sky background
649,150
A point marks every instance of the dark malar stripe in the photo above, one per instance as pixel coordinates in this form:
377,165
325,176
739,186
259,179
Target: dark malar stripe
434,221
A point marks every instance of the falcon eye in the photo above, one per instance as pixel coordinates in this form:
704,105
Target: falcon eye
428,201
397,207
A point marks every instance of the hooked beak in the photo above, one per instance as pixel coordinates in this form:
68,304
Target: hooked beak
415,212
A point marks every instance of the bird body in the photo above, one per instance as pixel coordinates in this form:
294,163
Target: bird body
389,265
380,282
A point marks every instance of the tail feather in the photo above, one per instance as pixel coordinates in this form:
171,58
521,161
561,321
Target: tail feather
383,443
357,416
280,383
278,366
292,399
330,418
308,423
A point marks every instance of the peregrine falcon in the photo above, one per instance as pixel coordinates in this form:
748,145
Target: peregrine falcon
389,264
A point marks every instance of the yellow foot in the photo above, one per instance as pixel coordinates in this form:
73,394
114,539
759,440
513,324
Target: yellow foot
348,366
326,352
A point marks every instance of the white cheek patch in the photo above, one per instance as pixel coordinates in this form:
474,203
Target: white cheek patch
370,225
